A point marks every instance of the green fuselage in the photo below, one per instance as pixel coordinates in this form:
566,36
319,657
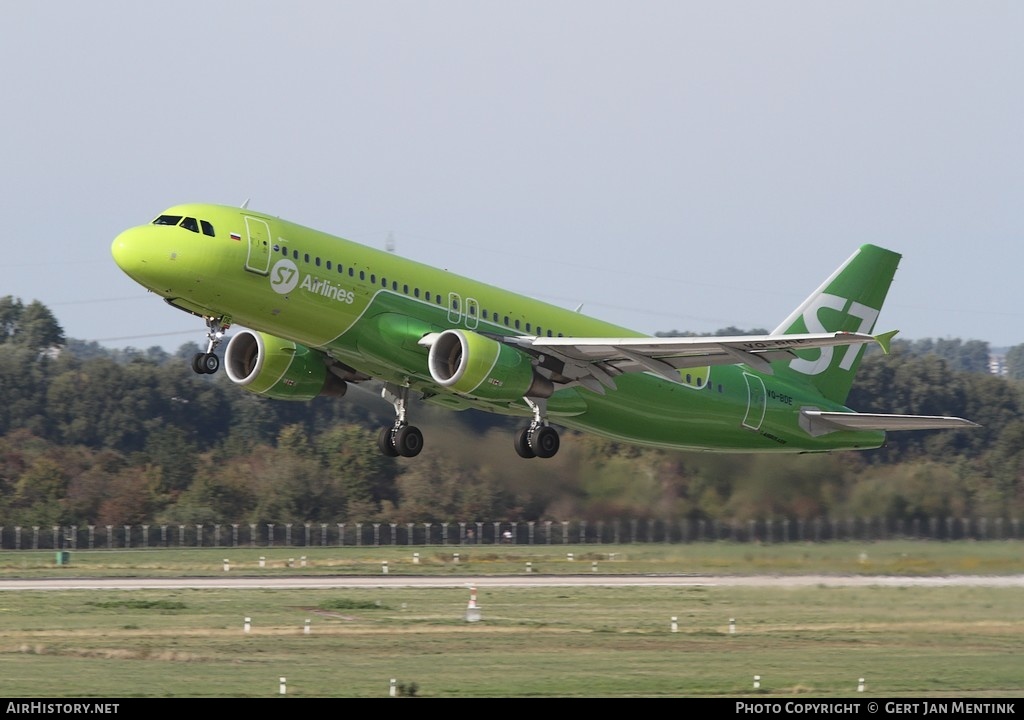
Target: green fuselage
368,309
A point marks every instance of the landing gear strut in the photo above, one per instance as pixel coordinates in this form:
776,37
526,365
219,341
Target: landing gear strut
401,438
538,439
208,363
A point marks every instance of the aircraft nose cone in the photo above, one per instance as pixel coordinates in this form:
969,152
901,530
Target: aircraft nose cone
125,250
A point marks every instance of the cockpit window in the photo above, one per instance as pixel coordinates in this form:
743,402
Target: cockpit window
188,223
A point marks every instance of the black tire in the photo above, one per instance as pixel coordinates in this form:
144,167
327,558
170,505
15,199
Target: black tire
544,441
409,441
522,444
384,442
211,363
197,364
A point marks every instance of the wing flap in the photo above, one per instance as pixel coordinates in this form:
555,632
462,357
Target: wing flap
593,361
665,348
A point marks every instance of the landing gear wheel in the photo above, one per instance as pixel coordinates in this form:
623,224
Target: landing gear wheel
205,363
401,438
211,363
522,444
208,363
384,442
408,441
544,441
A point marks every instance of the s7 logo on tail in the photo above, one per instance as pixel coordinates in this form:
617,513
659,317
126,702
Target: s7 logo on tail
814,324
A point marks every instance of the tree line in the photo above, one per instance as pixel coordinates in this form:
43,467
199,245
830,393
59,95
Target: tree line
129,437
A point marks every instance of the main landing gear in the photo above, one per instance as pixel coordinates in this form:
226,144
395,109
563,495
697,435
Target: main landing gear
401,438
537,439
208,363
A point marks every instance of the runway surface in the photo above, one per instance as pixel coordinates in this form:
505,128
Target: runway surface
244,582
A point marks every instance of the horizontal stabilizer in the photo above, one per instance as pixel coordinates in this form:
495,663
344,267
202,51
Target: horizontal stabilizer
818,422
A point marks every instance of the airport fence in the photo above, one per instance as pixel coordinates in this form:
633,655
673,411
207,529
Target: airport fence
543,532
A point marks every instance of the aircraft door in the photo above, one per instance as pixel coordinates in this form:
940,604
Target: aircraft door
454,308
472,313
756,402
258,259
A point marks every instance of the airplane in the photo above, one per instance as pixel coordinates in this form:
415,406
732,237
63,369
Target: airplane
319,312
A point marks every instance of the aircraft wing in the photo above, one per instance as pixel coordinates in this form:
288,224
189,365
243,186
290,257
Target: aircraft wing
818,422
594,362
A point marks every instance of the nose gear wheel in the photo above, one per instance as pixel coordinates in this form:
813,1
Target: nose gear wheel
208,362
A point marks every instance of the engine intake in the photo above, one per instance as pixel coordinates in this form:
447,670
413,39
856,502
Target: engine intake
477,366
279,369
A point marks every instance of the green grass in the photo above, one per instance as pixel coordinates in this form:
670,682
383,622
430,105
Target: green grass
579,642
919,558
806,642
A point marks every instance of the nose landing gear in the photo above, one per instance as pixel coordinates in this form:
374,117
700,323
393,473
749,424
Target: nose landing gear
208,363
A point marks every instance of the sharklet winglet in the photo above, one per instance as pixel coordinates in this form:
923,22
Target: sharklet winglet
884,339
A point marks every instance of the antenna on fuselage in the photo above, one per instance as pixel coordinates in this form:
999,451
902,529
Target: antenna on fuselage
245,205
389,244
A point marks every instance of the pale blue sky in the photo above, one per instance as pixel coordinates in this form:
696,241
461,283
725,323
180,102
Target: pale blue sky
671,165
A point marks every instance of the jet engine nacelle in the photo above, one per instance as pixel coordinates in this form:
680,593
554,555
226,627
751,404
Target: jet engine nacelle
471,364
279,369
